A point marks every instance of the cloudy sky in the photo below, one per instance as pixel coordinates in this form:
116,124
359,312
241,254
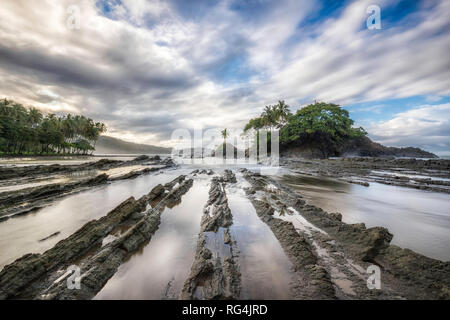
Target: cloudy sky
146,68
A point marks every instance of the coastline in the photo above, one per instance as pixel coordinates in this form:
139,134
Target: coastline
324,238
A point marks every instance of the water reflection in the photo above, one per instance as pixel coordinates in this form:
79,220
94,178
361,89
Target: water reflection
419,220
21,235
160,269
266,272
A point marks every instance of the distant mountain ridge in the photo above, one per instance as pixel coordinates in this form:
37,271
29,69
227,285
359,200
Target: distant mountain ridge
110,145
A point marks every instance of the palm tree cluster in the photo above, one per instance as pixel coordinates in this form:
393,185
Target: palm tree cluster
273,116
28,131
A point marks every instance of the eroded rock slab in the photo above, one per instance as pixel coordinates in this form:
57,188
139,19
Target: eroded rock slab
405,274
431,175
215,271
94,249
27,200
314,280
45,170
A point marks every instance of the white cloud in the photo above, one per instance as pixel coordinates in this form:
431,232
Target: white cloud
426,126
347,63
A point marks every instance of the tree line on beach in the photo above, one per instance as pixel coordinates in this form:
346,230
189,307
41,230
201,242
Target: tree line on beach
28,131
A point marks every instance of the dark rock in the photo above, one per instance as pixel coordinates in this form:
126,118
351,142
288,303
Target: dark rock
408,274
336,216
157,191
35,275
50,236
214,276
142,158
358,147
25,200
216,213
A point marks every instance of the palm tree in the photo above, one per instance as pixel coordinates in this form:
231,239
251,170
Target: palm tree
28,130
225,135
283,113
269,117
35,117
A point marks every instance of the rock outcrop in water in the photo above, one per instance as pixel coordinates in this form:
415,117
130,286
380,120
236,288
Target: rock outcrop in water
30,199
45,170
406,274
27,200
217,214
215,272
431,174
364,147
329,257
358,147
314,279
97,249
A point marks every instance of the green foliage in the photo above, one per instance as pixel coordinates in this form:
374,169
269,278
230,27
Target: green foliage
324,125
272,117
28,131
326,119
255,123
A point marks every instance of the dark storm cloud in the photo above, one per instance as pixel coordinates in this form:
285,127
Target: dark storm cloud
162,125
66,70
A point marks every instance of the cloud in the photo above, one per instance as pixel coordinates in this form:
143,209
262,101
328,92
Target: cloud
147,67
374,108
426,126
347,63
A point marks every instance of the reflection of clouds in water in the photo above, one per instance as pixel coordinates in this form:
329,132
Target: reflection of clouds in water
419,220
167,257
67,215
265,270
139,278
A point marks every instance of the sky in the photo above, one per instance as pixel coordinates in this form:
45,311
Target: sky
146,68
